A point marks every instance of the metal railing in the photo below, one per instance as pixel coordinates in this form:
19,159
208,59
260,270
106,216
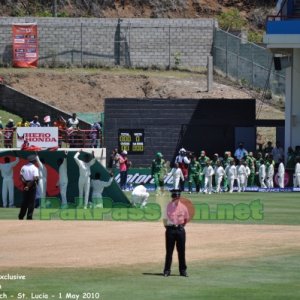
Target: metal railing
67,138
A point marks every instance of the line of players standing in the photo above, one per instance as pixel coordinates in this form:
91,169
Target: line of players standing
221,174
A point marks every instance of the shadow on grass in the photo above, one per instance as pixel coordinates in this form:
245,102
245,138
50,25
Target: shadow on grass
158,274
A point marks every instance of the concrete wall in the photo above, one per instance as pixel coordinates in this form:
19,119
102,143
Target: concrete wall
27,106
206,124
131,42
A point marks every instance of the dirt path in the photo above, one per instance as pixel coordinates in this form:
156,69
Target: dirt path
103,244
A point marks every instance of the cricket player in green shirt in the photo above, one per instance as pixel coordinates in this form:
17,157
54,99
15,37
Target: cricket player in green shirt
250,160
194,174
158,172
202,161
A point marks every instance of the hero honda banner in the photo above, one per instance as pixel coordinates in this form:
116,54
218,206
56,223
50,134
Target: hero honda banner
43,137
25,45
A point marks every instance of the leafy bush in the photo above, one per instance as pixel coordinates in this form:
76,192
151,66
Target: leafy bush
231,20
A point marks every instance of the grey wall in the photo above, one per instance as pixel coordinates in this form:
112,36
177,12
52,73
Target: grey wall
131,42
206,124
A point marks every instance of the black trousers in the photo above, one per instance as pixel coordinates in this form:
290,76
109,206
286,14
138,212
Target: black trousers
123,179
28,204
175,235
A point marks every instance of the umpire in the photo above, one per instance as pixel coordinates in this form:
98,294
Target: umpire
29,175
176,217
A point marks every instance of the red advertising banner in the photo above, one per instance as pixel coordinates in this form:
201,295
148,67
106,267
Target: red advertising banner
25,45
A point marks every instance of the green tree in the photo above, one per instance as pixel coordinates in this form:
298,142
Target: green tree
231,20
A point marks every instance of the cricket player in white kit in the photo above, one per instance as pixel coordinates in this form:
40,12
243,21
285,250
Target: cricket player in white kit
42,184
297,173
177,175
140,195
281,172
219,175
84,176
208,172
270,174
231,174
262,174
8,182
63,179
97,189
241,176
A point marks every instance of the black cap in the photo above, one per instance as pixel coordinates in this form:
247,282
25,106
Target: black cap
175,193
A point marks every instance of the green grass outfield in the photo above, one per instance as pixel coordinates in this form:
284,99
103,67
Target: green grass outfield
278,208
262,278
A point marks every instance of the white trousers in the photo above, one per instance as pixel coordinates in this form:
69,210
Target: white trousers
270,183
231,183
97,200
262,182
207,184
281,181
63,191
218,180
297,180
43,187
8,188
141,199
176,182
84,188
242,182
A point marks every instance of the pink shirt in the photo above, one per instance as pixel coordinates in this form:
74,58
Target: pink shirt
123,165
177,214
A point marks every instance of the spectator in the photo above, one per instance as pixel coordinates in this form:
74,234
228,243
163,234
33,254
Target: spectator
61,123
290,160
35,122
269,148
240,152
73,122
47,121
277,153
114,160
73,126
9,133
123,161
297,151
23,123
95,135
260,140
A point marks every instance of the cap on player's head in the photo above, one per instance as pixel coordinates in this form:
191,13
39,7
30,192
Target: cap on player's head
175,193
159,155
